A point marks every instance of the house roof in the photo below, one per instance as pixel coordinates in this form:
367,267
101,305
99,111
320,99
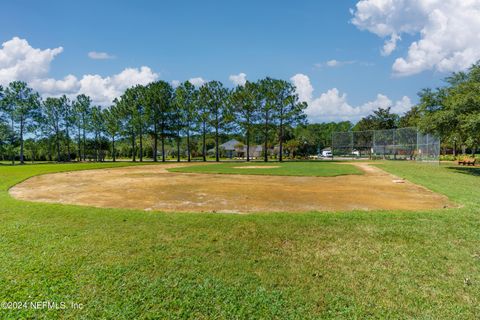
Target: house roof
230,145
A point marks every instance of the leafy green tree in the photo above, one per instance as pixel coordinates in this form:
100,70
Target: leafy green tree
7,140
177,125
68,120
203,117
82,109
22,105
290,111
127,109
4,136
159,102
98,126
113,125
323,132
471,124
461,105
380,119
411,118
186,97
52,119
246,104
312,138
431,106
141,116
32,148
292,146
447,111
267,111
3,125
220,115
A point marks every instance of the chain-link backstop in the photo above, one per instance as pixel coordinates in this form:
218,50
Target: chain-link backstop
394,144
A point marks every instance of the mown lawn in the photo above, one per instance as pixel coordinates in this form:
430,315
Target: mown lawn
319,169
122,264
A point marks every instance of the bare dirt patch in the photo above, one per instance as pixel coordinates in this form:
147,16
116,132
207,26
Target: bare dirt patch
154,188
257,167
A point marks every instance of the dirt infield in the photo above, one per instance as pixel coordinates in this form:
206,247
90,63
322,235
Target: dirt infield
154,188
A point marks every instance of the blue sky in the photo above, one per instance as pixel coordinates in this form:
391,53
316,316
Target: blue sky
216,39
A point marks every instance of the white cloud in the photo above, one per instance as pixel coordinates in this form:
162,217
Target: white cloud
390,45
448,32
334,63
238,79
100,55
197,82
175,83
133,76
333,105
304,87
69,85
403,105
20,61
382,101
104,89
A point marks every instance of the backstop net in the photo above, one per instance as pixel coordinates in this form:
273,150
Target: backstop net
393,144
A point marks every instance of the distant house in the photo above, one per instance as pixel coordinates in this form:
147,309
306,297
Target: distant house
236,149
230,148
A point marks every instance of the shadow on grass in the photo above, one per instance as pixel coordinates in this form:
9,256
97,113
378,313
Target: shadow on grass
474,171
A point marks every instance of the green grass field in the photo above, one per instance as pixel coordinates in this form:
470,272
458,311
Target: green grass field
319,169
125,264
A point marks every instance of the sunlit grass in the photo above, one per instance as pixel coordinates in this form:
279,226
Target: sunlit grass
319,169
127,264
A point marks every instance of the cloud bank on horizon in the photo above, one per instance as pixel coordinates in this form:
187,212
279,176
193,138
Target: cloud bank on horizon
449,32
333,105
20,61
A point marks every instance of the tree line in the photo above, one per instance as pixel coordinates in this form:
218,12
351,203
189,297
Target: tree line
147,118
158,121
451,112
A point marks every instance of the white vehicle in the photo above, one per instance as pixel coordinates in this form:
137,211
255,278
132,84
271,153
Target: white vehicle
327,154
